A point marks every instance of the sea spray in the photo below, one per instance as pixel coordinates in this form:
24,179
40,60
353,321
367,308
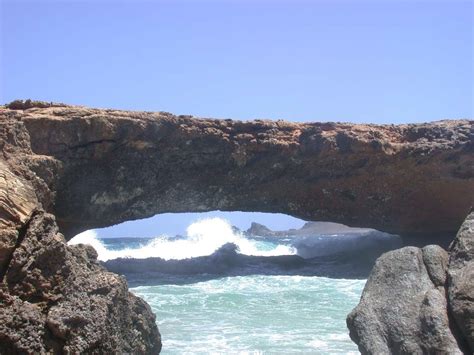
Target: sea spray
252,313
202,238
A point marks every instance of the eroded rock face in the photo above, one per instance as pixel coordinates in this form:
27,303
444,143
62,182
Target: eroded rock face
404,310
56,298
461,280
93,168
108,166
401,310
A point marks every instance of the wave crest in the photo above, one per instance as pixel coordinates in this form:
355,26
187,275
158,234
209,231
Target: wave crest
202,238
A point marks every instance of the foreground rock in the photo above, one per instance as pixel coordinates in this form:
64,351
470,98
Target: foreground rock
461,280
404,310
55,298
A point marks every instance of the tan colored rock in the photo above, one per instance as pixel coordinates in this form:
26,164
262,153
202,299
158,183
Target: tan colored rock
55,298
112,166
17,198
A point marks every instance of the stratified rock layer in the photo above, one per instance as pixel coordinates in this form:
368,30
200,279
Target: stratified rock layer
404,309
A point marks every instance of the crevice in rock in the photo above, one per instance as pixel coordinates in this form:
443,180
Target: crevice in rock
66,147
21,236
55,343
86,144
462,342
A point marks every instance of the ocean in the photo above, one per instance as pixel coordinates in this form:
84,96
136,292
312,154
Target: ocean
265,308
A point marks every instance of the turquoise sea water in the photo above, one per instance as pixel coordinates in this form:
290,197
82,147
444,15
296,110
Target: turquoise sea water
255,315
254,300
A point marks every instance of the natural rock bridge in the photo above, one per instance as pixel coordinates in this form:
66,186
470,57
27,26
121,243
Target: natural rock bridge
93,168
101,167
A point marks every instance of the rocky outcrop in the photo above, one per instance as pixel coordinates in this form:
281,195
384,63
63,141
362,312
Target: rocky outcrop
461,280
65,169
309,229
101,167
56,298
321,239
416,301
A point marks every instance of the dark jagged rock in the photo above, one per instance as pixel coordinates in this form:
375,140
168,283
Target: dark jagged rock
57,299
404,310
257,229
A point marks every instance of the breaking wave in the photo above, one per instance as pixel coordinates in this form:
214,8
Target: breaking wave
202,238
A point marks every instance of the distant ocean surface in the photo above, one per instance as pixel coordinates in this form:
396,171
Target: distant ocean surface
251,314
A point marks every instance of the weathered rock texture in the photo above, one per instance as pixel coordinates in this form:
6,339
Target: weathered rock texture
93,168
417,302
461,280
56,298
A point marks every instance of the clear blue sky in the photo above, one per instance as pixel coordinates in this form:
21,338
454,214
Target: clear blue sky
360,61
373,61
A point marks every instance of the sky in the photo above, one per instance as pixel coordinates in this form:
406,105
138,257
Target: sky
172,224
383,61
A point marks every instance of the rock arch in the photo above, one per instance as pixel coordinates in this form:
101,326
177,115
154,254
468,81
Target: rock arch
82,168
101,167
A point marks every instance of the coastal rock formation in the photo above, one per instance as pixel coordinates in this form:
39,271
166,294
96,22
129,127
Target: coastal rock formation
93,168
320,239
309,229
404,309
65,169
56,298
461,280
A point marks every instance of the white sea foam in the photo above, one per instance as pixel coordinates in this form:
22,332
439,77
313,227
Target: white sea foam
255,314
202,238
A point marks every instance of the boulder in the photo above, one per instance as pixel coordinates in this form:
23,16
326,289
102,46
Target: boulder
461,280
57,299
403,308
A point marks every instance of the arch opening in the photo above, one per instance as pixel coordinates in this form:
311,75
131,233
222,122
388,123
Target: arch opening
234,272
187,247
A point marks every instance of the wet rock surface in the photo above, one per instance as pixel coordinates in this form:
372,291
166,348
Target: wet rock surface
419,301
